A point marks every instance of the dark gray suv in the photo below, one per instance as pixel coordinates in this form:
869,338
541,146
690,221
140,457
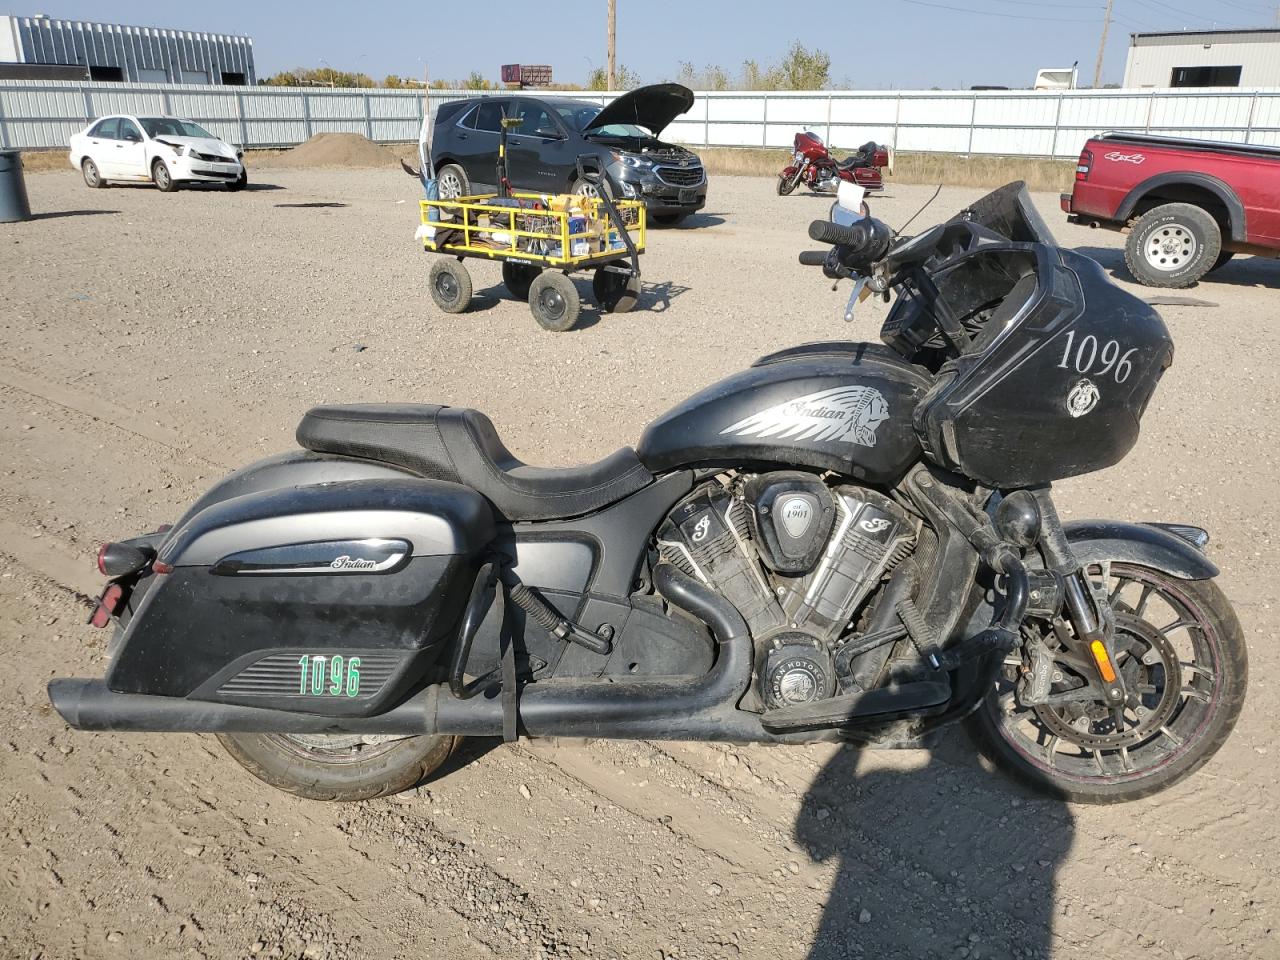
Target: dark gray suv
621,138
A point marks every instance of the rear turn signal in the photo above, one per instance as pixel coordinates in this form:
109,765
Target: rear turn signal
117,560
1083,167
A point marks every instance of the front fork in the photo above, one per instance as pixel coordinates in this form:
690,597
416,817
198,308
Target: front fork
1091,617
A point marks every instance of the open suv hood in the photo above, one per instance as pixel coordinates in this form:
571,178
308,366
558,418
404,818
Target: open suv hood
652,107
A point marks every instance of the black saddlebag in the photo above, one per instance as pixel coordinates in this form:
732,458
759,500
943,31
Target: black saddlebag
330,599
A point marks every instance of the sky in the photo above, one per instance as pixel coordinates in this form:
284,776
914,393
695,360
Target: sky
905,44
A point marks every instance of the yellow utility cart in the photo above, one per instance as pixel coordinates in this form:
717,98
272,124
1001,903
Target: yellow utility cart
540,239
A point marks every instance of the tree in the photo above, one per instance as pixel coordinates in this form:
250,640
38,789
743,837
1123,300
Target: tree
319,77
598,78
475,81
392,82
801,69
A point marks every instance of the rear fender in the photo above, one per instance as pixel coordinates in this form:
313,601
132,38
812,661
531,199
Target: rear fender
1145,544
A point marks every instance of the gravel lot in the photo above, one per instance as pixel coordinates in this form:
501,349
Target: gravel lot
149,343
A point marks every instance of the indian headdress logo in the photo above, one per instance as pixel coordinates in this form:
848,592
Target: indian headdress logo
839,415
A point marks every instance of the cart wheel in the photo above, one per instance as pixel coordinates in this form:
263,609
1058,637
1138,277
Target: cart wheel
518,277
554,301
615,292
450,286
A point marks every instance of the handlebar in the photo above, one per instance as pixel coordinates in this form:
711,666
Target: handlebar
859,244
813,258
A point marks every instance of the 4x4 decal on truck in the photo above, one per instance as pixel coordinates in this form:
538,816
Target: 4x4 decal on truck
1125,157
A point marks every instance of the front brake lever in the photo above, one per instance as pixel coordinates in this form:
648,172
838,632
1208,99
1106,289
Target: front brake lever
856,296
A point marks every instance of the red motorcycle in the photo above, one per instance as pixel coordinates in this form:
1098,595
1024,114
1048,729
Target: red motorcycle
814,166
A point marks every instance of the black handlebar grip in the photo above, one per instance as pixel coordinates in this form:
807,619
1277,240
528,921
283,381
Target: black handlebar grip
824,231
813,258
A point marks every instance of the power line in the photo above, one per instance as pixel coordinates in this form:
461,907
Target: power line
992,13
1157,5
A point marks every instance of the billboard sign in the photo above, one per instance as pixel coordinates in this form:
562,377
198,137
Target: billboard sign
526,74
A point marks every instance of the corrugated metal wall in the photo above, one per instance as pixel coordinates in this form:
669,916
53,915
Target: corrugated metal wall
1031,123
141,53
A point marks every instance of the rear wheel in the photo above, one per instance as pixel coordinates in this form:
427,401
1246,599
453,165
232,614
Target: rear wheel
452,182
162,178
92,177
450,285
1173,245
554,301
340,767
615,292
518,277
1181,653
1224,258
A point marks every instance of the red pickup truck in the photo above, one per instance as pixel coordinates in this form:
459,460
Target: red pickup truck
1188,205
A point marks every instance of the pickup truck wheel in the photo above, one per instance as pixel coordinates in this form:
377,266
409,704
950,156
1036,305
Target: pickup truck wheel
1223,259
1173,245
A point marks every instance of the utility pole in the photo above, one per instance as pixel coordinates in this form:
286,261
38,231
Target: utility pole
613,45
1102,45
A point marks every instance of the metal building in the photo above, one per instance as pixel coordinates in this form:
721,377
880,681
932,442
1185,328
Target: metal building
1209,58
32,47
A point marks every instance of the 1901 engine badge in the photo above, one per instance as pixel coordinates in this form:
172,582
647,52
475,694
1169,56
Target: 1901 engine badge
1082,398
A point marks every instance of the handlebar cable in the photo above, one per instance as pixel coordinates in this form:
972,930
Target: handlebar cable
898,232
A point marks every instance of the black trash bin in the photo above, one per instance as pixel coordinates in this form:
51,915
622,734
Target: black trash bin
14,205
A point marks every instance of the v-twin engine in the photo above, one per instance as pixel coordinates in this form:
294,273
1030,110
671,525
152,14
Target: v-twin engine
797,558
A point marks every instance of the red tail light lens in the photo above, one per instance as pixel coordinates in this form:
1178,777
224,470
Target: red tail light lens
107,606
1082,168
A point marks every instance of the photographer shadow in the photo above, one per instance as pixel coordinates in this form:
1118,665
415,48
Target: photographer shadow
936,857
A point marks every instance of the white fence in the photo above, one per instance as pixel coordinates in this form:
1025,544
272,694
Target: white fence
36,115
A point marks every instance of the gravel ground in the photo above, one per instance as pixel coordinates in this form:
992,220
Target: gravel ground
149,343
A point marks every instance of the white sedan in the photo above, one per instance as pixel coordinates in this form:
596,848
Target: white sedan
163,150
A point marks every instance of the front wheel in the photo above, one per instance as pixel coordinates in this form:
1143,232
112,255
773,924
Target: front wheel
342,767
240,182
1181,653
163,179
787,184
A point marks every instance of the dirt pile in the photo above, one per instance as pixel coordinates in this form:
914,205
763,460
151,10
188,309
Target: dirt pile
337,150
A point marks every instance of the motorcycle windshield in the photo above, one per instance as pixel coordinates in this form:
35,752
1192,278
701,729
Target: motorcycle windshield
1009,212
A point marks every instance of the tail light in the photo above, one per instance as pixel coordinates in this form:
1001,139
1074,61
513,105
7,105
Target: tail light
107,606
1082,168
117,560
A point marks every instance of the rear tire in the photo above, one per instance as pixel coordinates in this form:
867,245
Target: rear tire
1173,245
554,301
92,176
162,178
339,767
450,285
615,292
1188,713
453,182
518,277
1224,258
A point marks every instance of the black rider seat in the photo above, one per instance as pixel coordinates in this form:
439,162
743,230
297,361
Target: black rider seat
461,445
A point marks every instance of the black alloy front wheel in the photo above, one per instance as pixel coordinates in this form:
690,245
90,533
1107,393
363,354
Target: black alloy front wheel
1180,650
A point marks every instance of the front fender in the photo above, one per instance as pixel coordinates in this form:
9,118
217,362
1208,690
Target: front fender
1098,541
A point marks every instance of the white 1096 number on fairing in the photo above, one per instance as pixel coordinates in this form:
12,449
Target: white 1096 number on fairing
1097,360
333,676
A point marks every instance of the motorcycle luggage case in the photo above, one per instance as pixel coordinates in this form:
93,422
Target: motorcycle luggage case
331,599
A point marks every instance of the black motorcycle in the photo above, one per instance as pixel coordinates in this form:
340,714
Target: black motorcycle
846,541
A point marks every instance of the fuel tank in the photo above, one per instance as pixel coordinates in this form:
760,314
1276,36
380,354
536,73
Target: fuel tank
844,407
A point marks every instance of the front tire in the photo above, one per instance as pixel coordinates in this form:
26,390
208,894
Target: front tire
1173,245
554,301
1182,653
92,176
787,184
162,178
338,767
615,292
240,182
